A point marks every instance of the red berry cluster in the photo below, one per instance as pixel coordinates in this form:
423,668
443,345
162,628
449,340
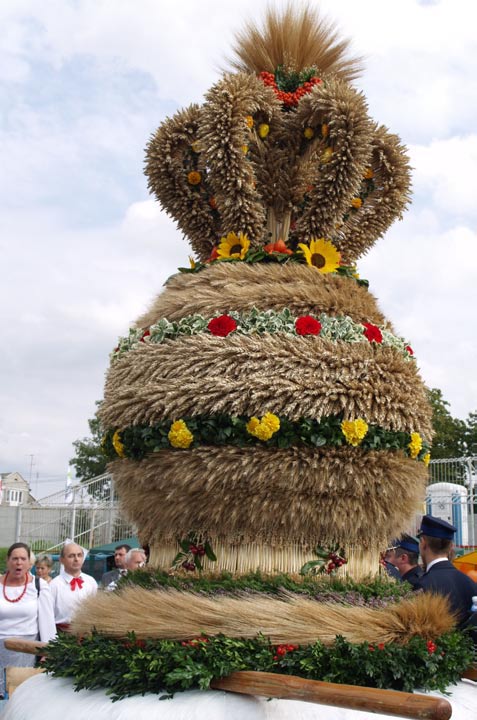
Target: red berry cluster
431,647
334,562
195,550
282,650
290,99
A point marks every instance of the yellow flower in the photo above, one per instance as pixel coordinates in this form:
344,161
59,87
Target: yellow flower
415,446
194,177
325,130
354,430
252,425
426,459
249,121
356,202
327,155
263,130
321,254
308,133
195,147
245,149
179,435
266,427
233,245
117,444
191,262
368,174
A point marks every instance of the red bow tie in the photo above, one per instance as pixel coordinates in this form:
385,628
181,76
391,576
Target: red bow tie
76,582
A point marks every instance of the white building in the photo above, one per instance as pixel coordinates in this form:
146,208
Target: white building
14,490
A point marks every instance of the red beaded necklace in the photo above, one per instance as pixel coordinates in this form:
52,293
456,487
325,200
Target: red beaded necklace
20,596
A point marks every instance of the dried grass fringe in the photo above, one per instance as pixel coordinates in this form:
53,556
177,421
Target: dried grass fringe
175,615
295,38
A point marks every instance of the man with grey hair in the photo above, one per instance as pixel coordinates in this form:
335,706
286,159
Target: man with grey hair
135,558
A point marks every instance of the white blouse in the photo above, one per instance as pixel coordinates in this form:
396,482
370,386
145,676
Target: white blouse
31,615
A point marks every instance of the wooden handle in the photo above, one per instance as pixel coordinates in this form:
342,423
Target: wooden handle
32,647
386,702
470,673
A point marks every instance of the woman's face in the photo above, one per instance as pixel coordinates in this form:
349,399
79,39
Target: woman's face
18,564
42,570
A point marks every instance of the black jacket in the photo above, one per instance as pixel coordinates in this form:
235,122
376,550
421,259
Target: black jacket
413,575
443,578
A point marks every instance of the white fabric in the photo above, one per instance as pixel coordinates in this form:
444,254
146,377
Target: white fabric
434,562
65,600
31,615
58,701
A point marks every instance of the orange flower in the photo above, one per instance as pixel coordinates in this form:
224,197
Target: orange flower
213,203
213,255
194,177
278,246
368,175
356,203
249,121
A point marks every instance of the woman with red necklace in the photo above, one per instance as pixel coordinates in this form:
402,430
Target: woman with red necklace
26,608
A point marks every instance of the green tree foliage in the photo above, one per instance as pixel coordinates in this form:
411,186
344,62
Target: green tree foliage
89,460
470,435
449,439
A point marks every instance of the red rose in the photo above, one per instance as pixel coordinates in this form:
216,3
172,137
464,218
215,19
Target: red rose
372,332
381,646
431,647
409,349
307,325
145,334
371,648
222,325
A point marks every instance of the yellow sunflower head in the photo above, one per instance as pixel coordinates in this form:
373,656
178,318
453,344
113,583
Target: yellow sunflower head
233,246
321,254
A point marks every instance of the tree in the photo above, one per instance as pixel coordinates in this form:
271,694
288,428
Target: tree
89,460
470,435
450,433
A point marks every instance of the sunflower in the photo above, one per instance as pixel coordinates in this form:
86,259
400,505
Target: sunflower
233,246
321,254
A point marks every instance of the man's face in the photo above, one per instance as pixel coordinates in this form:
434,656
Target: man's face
120,558
73,559
390,556
136,561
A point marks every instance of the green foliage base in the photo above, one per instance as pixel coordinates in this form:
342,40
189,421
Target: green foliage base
135,667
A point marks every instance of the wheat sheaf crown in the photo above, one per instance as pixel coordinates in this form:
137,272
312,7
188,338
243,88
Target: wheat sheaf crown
282,149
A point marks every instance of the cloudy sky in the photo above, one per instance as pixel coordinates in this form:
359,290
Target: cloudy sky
84,249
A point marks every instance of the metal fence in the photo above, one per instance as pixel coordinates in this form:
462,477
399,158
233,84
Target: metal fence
452,496
88,513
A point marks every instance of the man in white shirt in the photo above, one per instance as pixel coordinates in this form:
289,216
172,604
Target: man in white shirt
71,586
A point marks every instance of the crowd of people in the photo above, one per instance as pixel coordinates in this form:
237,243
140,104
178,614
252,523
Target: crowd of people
37,607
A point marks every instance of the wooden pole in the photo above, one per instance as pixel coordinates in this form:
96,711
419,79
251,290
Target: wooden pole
386,702
290,687
32,647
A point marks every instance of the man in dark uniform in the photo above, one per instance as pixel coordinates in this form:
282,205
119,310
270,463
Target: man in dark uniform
406,556
440,576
